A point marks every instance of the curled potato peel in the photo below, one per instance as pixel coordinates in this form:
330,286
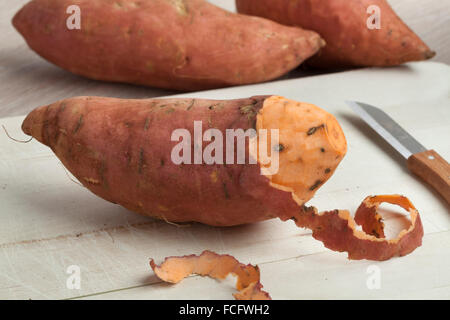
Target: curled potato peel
337,229
211,264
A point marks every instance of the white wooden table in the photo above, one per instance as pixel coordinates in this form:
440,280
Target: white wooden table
48,223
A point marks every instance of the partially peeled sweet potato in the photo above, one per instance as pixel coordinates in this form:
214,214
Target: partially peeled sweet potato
121,150
173,44
343,25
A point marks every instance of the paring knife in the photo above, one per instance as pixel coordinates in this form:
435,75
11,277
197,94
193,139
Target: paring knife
426,164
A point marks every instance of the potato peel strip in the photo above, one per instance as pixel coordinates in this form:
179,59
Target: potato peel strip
211,264
337,229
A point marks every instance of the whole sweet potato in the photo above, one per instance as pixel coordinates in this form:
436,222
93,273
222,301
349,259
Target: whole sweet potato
344,26
173,44
122,150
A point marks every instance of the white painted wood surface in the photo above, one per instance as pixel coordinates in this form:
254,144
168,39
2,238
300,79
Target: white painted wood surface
47,222
26,80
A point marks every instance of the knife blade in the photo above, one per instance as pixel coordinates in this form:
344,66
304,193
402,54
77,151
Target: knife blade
426,164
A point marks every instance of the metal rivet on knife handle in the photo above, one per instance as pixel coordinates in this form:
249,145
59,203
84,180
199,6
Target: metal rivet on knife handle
433,169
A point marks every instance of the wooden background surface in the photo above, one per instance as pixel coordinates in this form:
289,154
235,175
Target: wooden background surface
27,81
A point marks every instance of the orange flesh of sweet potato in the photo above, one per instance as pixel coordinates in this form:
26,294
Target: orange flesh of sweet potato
312,144
175,269
343,25
173,44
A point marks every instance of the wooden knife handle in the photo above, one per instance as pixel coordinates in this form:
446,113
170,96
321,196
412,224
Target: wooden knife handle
433,169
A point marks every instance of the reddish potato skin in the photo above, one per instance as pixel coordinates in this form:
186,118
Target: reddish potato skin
121,151
173,44
343,25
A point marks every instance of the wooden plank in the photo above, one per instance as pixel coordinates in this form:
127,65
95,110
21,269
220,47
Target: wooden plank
325,275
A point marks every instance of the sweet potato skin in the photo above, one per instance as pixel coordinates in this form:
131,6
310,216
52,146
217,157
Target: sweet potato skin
120,150
343,25
173,44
